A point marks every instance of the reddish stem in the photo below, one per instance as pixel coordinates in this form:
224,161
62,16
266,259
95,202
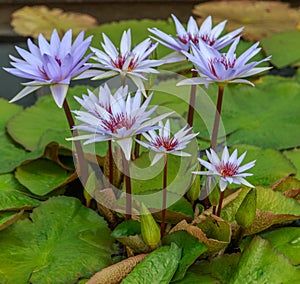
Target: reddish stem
192,101
83,166
214,136
164,201
110,161
220,204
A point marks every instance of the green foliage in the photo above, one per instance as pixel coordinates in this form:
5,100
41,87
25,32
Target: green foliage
61,242
158,267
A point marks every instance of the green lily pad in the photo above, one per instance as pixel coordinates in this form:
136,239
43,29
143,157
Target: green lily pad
250,118
11,154
33,129
9,217
260,263
294,157
60,243
286,241
191,250
282,57
158,267
43,176
272,208
13,195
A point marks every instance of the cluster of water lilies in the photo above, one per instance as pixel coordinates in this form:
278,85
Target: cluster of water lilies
121,116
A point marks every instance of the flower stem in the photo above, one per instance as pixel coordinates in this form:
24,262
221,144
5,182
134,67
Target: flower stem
217,118
220,204
164,201
83,165
126,170
111,165
192,101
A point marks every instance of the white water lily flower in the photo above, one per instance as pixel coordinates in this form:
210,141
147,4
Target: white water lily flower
134,64
223,68
115,117
52,64
162,143
185,37
227,169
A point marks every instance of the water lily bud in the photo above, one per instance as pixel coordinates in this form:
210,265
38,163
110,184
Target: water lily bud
194,190
149,227
247,210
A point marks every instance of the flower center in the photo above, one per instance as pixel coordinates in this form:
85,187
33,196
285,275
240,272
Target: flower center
188,38
168,143
120,61
228,169
228,63
208,40
117,122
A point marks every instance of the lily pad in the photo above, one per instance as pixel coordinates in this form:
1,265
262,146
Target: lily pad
60,243
191,250
31,21
282,57
250,118
260,18
260,263
158,267
286,241
9,217
11,153
42,176
13,195
294,157
33,129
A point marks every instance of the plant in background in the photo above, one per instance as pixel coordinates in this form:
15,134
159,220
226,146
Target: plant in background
117,118
226,170
134,64
163,144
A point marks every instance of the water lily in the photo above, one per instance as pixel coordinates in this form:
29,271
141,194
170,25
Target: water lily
185,37
53,63
223,68
134,64
163,143
120,120
226,169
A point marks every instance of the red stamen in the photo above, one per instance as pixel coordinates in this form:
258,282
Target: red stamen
228,169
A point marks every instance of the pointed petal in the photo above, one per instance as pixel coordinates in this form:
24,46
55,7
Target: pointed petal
24,92
59,93
126,146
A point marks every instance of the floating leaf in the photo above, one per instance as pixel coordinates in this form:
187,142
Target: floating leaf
158,267
191,250
260,18
43,176
286,241
33,129
13,195
289,186
209,235
294,157
272,208
9,217
11,154
249,118
282,57
31,21
260,263
61,242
